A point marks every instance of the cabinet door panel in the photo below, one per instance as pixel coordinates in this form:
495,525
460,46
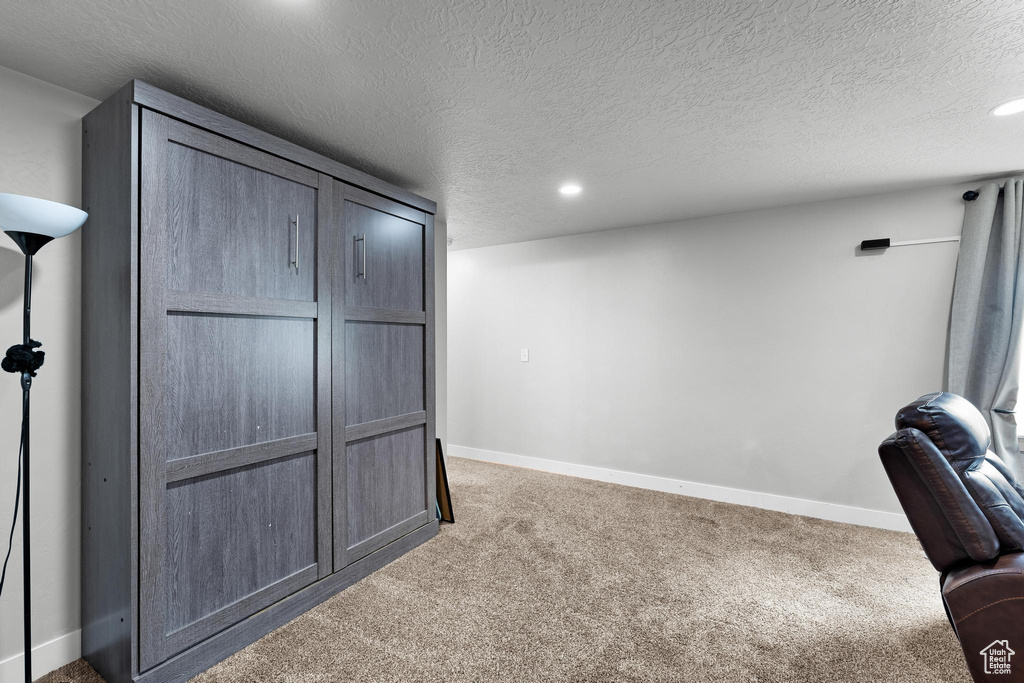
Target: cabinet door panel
234,229
234,384
383,407
385,259
254,380
386,488
384,370
231,533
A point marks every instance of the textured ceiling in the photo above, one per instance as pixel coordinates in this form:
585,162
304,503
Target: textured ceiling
661,110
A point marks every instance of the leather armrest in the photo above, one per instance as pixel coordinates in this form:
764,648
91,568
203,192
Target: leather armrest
986,605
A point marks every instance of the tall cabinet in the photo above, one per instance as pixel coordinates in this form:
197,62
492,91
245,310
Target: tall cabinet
258,382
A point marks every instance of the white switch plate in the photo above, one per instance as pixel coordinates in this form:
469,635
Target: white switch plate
524,355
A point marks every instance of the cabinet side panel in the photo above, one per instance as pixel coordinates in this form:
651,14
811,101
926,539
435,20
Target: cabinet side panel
430,364
109,392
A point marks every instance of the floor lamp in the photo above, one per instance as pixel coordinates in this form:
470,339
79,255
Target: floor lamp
31,223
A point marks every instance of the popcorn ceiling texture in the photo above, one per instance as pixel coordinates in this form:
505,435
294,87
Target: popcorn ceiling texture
661,110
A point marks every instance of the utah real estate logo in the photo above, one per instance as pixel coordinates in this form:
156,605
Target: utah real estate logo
997,657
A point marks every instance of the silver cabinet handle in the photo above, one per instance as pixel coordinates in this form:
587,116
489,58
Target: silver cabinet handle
295,258
362,239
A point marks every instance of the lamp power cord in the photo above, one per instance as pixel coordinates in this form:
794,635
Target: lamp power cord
23,359
17,500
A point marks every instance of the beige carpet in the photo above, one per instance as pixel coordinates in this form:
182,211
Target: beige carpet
550,578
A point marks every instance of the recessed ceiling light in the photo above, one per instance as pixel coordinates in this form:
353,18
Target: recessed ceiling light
570,189
1011,107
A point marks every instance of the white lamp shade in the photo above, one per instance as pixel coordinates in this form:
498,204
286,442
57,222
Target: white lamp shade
19,213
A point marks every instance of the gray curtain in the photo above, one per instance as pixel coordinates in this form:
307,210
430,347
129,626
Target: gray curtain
988,310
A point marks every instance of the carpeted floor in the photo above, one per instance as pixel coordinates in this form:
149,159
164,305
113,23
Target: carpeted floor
551,578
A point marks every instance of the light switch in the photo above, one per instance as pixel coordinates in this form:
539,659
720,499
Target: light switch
524,355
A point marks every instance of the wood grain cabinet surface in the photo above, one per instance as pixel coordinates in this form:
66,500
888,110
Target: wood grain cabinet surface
258,382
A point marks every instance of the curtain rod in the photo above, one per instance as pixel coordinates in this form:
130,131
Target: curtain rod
885,243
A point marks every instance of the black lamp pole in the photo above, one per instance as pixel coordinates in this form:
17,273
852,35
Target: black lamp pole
26,360
26,540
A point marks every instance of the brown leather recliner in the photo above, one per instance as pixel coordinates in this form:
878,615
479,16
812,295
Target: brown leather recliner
968,512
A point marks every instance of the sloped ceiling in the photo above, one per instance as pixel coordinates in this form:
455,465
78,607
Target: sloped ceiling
661,110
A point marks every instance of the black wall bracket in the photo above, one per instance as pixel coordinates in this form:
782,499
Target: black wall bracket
885,243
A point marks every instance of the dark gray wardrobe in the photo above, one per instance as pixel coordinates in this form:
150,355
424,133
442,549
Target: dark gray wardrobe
258,382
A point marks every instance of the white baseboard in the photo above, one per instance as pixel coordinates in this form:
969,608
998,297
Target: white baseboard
45,658
767,501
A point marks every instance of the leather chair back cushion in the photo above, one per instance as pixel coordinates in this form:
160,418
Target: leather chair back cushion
1000,496
946,519
960,432
950,422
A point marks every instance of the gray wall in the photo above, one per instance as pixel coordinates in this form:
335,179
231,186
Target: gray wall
754,351
40,155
